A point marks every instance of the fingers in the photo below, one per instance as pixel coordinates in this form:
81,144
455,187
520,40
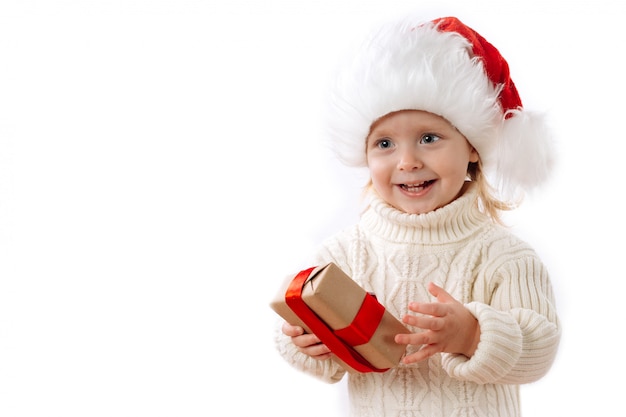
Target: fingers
415,339
306,343
311,345
438,308
290,330
427,342
424,353
316,351
440,294
445,325
432,320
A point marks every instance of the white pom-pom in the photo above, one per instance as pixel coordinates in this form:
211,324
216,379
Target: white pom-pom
525,154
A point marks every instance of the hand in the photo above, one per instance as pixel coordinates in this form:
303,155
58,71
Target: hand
447,327
306,343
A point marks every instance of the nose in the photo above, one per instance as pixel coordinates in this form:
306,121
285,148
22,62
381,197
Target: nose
409,160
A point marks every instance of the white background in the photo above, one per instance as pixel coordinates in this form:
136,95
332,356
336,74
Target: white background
162,169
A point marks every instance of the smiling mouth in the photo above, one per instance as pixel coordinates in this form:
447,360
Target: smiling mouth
415,188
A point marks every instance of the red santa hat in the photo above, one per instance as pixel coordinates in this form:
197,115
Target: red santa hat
446,68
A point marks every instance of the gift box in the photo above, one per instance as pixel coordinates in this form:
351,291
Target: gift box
351,322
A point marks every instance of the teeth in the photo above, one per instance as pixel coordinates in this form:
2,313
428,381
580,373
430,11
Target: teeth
412,187
415,187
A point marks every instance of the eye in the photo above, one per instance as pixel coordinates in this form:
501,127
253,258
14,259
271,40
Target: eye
429,138
384,143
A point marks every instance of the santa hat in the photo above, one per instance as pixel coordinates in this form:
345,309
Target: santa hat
446,68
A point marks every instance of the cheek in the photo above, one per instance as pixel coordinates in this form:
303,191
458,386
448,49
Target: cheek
459,166
377,169
379,179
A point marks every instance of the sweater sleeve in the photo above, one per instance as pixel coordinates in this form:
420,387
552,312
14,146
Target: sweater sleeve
326,370
519,327
333,250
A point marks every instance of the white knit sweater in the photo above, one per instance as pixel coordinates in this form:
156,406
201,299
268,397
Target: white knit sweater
498,277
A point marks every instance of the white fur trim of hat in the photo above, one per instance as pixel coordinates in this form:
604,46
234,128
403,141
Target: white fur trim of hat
446,68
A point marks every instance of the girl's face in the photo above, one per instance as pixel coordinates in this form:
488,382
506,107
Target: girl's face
417,160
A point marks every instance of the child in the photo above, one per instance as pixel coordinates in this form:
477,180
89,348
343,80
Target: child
431,111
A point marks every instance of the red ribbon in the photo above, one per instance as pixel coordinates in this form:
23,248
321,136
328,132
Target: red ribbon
340,342
364,324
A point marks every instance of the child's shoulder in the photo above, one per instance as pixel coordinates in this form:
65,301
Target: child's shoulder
503,240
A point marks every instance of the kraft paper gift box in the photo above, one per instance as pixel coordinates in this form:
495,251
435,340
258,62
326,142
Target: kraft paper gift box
342,307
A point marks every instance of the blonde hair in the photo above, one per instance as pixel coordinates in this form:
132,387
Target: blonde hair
487,201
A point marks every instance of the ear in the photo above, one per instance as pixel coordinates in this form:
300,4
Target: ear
474,157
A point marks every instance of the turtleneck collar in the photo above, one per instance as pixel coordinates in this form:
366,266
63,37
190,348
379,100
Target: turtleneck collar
451,223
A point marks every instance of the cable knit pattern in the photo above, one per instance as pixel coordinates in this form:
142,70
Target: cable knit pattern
497,276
